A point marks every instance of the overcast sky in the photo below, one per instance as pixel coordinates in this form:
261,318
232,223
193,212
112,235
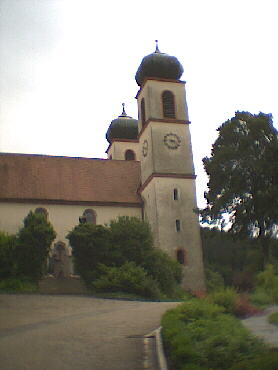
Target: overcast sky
67,65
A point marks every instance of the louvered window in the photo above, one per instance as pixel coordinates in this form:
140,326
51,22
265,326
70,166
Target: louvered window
168,102
143,112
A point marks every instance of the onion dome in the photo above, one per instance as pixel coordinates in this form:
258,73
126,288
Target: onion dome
159,65
123,127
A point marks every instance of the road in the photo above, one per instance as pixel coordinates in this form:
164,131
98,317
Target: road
46,332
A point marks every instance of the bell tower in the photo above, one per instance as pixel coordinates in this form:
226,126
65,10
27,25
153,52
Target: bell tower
167,170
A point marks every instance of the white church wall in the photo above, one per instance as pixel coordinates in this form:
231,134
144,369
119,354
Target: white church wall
62,217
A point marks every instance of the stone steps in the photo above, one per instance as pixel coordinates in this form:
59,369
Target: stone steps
69,285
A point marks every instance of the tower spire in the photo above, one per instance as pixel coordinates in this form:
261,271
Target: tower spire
123,112
156,47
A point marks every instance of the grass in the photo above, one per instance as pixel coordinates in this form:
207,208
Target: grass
273,318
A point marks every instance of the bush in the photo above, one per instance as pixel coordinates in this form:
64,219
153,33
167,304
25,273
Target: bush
214,280
127,239
7,255
33,245
265,361
198,335
128,278
273,318
267,278
131,238
164,270
14,285
90,247
226,298
261,297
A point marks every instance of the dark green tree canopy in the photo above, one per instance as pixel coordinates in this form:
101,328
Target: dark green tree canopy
243,176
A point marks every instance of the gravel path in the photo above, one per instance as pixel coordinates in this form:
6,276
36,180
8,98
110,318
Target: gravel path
260,326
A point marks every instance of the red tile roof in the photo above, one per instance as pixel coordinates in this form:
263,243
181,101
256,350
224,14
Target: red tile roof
64,179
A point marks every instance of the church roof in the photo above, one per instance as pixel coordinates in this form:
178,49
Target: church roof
27,177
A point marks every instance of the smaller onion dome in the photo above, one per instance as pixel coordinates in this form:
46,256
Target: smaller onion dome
123,127
159,65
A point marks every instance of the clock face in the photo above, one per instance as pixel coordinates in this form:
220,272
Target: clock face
145,148
172,141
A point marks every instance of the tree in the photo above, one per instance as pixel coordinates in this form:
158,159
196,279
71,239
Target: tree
243,178
33,245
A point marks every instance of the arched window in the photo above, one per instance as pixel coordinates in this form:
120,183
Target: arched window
42,211
175,194
181,258
168,103
89,217
143,112
129,155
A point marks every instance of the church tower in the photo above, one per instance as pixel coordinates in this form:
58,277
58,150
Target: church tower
167,170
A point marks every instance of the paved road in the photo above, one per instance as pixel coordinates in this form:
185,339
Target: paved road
44,332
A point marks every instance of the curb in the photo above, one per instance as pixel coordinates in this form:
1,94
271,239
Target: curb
160,356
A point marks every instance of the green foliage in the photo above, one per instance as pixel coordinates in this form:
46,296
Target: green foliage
164,270
127,278
261,297
266,291
198,335
103,253
242,171
15,285
90,247
7,255
33,245
226,298
214,280
131,238
267,278
265,361
273,318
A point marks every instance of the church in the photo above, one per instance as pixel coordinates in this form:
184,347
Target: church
148,173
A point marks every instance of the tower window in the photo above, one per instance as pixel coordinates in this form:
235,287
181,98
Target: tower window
89,217
181,258
129,155
176,194
168,103
178,225
143,112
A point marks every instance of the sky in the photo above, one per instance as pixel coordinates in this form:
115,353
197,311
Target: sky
66,66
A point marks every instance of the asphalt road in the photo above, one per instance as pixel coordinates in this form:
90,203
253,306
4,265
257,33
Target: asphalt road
44,332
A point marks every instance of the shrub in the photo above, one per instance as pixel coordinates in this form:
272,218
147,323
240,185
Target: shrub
15,285
34,241
7,255
265,361
261,297
164,270
267,278
214,280
131,239
128,278
243,308
226,298
273,318
197,334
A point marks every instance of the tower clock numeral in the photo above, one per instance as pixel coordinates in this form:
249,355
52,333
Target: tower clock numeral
172,141
145,148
